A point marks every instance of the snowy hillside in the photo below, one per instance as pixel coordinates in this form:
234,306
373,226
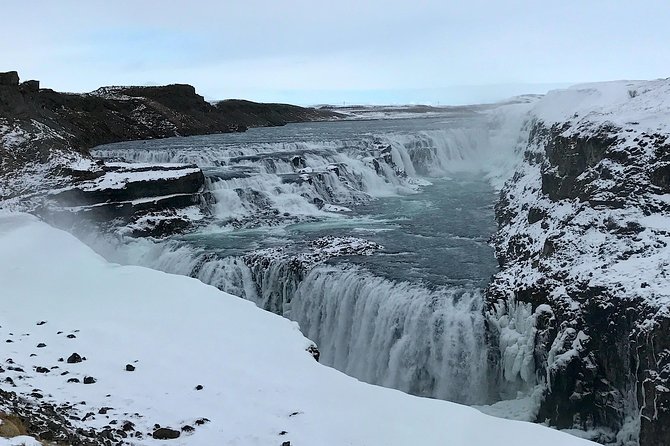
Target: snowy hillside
259,384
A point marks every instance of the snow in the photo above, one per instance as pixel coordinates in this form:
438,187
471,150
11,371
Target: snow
643,104
22,440
258,379
119,179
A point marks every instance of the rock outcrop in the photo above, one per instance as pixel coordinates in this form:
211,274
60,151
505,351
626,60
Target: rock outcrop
581,304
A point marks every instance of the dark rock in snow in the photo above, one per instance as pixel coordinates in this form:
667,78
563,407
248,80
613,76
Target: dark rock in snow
165,433
74,358
41,345
198,387
130,368
89,380
314,351
30,86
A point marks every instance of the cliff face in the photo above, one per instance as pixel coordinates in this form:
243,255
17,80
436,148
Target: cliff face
580,305
254,114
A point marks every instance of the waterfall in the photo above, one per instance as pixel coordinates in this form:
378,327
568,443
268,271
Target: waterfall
399,335
409,336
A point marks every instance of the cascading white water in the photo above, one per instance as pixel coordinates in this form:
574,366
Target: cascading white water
307,178
399,335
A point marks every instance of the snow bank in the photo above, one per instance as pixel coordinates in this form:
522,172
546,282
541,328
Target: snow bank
179,333
643,104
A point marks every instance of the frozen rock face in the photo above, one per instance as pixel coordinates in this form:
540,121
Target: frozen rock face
584,248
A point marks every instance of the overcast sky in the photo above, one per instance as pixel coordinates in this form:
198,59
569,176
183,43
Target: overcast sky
311,51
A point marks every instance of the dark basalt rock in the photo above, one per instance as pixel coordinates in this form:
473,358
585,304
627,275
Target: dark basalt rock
74,358
51,423
165,433
535,215
661,177
9,78
314,351
31,86
182,183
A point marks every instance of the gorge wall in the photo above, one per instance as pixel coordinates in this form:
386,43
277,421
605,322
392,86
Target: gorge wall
580,305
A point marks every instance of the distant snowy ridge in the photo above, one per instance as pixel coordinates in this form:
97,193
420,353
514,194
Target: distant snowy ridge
259,385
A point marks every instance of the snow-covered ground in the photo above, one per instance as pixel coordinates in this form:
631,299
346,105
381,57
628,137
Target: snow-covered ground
260,386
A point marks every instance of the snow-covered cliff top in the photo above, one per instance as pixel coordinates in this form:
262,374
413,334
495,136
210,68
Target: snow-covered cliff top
643,104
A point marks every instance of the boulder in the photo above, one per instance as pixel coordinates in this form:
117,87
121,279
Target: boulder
165,433
74,358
